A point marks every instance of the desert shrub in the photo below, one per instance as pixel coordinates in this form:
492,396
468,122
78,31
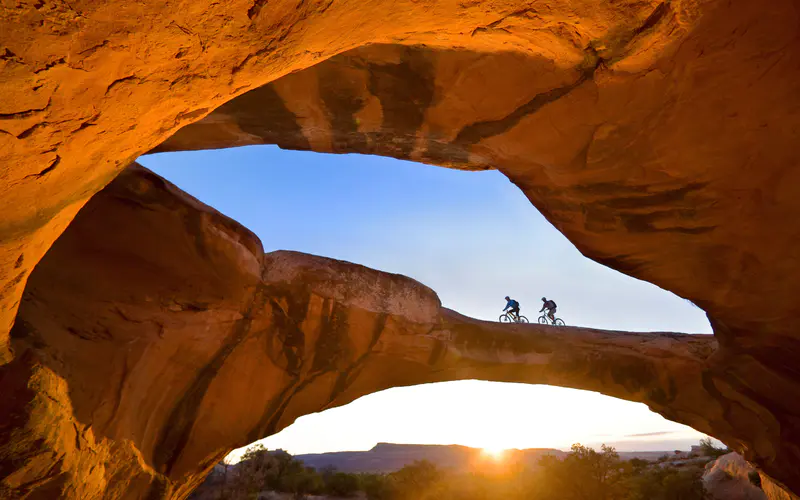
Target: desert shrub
417,481
376,486
253,472
261,470
708,448
342,484
666,483
303,481
686,484
583,473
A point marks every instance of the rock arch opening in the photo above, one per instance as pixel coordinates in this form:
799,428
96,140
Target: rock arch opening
472,237
205,309
479,414
452,230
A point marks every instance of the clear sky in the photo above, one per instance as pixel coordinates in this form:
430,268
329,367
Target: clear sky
474,238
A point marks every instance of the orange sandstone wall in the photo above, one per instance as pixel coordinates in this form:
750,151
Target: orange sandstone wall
659,137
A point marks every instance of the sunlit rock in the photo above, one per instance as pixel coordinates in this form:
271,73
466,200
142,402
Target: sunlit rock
156,336
660,138
730,478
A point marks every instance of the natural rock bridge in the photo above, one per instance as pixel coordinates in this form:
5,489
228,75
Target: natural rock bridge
207,344
659,137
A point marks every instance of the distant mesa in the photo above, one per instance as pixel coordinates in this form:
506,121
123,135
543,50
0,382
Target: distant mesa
387,457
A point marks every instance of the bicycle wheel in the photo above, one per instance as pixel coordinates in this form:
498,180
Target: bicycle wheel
523,319
505,318
543,320
559,322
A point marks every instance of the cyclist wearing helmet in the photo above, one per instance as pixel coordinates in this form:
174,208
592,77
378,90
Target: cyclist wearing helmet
551,308
512,306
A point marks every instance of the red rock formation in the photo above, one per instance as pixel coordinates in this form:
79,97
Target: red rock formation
659,137
597,153
774,491
89,86
728,478
155,337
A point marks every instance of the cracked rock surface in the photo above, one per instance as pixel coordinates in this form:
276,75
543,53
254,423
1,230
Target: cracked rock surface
659,137
142,377
156,336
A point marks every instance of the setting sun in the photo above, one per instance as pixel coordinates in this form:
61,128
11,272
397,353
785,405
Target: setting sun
494,452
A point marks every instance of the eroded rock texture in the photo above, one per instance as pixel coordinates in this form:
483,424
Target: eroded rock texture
728,478
156,336
660,137
632,166
87,86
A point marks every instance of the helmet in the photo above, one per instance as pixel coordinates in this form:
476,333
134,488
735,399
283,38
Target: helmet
507,297
544,299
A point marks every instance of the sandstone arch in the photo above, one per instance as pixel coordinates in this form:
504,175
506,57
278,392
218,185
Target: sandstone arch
151,372
660,138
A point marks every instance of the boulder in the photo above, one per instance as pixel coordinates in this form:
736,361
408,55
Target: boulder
728,478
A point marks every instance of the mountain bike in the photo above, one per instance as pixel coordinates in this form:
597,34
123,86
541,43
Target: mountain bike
510,318
544,319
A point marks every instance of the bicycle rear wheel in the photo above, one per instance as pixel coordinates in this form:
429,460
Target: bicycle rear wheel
543,320
505,318
559,322
523,319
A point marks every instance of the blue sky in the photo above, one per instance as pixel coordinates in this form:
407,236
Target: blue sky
471,236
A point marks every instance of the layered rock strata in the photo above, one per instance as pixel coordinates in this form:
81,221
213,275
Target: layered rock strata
156,336
659,137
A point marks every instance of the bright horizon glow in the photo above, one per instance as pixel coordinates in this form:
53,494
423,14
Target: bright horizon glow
495,453
504,416
472,237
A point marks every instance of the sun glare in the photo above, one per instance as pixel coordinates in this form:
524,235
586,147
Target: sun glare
494,452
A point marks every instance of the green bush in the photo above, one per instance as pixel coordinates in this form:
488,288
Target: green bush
666,483
415,481
584,473
376,486
755,478
342,485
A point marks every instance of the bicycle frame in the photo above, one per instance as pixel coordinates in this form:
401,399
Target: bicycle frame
513,317
548,321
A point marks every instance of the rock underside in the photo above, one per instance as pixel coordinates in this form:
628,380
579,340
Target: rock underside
155,335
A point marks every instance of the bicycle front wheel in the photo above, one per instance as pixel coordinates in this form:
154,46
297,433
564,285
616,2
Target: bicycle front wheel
559,322
523,319
504,318
543,320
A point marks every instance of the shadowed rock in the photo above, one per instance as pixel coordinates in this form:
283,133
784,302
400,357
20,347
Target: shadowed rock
161,337
659,137
620,162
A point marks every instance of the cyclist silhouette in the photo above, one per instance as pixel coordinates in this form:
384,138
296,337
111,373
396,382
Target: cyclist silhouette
551,308
512,306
